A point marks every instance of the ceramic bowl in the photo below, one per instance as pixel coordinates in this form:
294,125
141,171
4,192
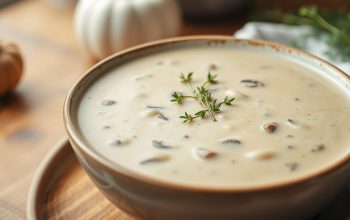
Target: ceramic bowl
149,198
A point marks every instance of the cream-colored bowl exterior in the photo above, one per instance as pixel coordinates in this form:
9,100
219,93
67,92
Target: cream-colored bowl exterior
147,198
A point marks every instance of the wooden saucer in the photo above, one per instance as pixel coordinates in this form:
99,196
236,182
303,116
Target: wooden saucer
61,190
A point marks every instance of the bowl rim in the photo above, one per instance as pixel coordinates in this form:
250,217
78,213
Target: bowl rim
77,142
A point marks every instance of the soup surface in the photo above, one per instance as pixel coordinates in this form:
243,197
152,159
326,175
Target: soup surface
286,120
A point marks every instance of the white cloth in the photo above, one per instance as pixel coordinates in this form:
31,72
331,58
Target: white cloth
286,34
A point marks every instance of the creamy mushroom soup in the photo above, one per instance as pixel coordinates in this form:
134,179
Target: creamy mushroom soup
285,121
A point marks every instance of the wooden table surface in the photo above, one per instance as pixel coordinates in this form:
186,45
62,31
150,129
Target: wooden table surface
31,118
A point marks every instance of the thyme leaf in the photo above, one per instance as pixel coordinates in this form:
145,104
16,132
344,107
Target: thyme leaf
186,78
201,113
177,97
187,117
211,78
228,101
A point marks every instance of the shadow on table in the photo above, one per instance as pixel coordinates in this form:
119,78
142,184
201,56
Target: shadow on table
13,102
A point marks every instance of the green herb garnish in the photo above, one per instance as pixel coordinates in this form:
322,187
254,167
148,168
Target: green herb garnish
332,26
187,78
203,96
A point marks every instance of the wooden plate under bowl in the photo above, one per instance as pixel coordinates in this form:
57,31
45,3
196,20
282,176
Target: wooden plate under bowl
61,190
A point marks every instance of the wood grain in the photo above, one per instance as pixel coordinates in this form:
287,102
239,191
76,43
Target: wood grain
30,119
74,196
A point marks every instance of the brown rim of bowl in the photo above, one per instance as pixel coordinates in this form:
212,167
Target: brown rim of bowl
73,132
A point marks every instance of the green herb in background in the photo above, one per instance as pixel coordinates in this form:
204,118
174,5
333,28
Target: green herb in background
333,26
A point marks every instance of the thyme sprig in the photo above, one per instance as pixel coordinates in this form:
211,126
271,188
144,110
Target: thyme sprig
204,97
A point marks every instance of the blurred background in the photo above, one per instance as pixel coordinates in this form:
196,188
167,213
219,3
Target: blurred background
236,8
48,53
